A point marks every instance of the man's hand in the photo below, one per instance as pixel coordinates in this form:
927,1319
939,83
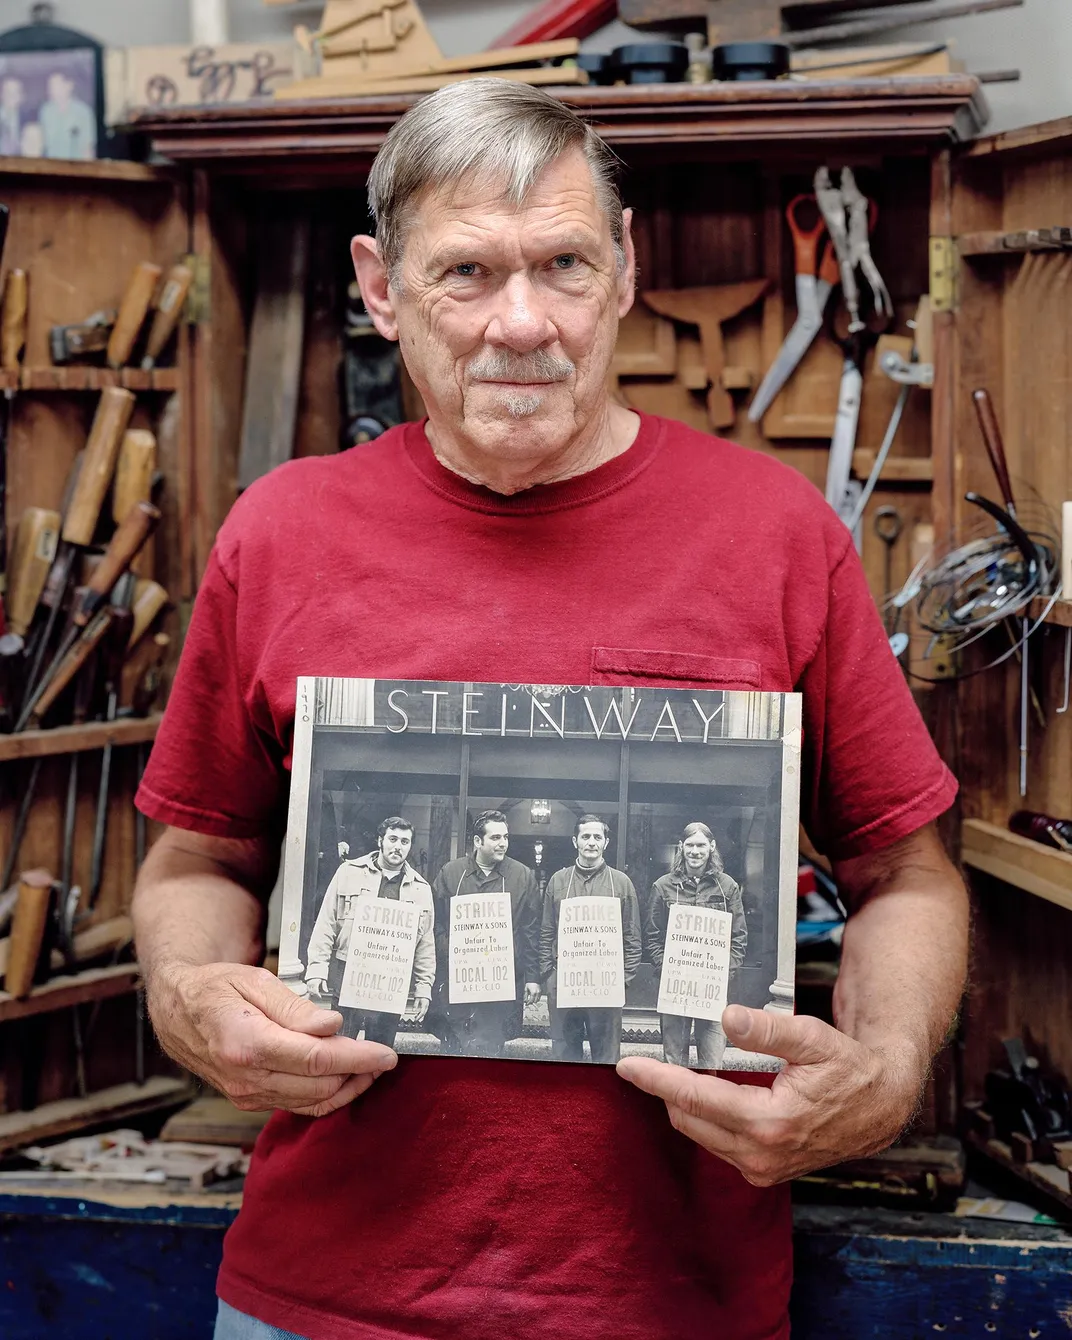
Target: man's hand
836,1098
532,993
257,1042
317,986
416,1012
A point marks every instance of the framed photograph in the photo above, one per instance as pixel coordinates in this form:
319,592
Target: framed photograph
542,872
51,94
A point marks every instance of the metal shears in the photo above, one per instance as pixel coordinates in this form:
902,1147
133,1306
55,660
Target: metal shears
849,216
815,280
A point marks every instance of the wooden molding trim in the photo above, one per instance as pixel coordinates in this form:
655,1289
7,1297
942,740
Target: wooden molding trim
923,112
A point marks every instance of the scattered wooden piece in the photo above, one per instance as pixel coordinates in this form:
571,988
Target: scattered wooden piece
212,1120
1023,1150
105,937
18,1129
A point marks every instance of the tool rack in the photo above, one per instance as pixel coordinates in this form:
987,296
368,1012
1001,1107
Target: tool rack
78,229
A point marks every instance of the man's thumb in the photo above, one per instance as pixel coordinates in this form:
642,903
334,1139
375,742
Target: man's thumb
797,1038
276,1000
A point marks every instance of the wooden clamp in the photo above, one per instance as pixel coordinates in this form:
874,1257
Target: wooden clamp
709,308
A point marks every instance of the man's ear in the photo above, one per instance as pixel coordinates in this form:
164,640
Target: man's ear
372,281
627,278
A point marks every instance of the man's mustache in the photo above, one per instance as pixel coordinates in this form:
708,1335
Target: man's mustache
498,365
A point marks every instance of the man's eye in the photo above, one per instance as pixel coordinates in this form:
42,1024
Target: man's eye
466,269
567,261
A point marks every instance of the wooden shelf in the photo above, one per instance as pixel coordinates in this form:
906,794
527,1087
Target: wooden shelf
1018,243
109,1105
61,992
82,378
100,169
910,112
1026,865
79,739
1061,614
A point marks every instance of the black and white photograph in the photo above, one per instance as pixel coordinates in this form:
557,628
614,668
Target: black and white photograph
542,872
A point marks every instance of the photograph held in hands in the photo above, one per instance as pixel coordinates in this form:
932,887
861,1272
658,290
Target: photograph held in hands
542,872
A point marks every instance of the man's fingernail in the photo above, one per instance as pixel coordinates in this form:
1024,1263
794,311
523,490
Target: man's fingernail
740,1021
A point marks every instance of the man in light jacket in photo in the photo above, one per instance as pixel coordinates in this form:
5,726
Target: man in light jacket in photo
384,873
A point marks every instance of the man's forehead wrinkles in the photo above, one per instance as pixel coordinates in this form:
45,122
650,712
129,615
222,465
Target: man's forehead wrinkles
551,235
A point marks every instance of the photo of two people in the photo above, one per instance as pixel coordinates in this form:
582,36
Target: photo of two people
445,909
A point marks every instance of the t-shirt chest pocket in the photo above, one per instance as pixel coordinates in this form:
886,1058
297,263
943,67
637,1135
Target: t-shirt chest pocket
674,669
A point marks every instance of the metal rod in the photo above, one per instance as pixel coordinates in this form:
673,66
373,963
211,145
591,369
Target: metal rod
19,831
1025,629
1068,667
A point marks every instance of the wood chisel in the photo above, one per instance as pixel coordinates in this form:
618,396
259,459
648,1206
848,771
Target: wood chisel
132,312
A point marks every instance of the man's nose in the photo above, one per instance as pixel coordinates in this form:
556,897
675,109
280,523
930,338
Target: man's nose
520,321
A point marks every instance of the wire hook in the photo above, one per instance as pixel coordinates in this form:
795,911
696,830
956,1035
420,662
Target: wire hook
1068,668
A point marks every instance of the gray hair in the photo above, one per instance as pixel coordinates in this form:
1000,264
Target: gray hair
495,128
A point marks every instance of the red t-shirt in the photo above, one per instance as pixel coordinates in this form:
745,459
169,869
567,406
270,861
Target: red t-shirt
474,1199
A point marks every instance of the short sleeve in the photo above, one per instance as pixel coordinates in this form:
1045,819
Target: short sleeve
872,773
212,768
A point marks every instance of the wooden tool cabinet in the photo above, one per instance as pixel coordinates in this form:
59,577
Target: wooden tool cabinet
79,230
709,172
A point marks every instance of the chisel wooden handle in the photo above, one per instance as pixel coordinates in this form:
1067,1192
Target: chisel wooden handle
27,931
109,424
37,537
149,599
75,659
133,484
133,471
132,312
168,310
995,448
13,320
136,527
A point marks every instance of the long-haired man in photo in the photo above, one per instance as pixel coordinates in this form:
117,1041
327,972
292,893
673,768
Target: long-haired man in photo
696,877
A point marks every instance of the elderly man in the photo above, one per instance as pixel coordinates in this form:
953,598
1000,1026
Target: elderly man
485,1027
469,1198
